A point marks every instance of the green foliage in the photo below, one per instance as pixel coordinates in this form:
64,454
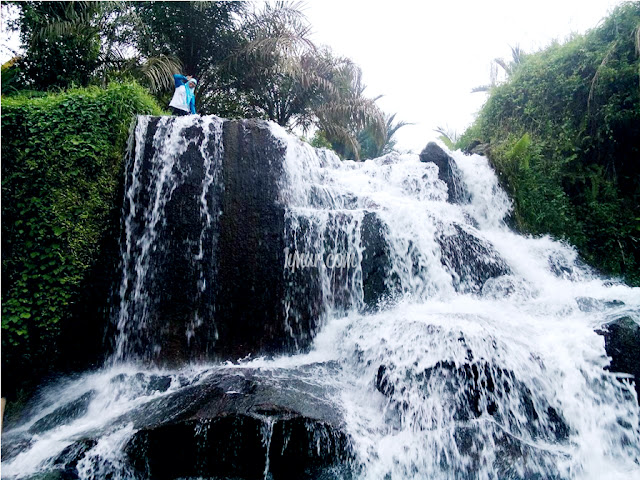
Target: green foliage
447,141
62,58
319,140
10,77
250,61
61,167
77,43
564,133
520,154
202,35
282,76
371,147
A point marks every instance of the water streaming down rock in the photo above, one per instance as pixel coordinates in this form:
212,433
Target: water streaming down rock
407,336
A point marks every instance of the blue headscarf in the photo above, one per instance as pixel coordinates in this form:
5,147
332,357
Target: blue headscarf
191,98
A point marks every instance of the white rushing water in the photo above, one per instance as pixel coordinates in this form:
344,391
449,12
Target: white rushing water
455,374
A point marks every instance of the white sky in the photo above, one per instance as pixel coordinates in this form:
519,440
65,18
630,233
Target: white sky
426,56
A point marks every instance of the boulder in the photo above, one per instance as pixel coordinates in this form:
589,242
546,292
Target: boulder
375,264
236,423
473,392
249,311
448,172
476,147
622,343
287,427
471,260
64,414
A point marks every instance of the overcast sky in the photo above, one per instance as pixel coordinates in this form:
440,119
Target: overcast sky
425,57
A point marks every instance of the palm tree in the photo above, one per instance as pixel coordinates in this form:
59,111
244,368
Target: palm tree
288,80
200,34
372,149
448,136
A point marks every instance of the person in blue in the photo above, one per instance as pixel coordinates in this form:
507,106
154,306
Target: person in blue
184,98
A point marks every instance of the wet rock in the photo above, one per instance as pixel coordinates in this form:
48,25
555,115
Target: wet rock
249,311
214,285
476,147
53,475
474,390
225,423
507,286
12,444
622,343
169,295
148,383
376,264
588,304
471,260
239,446
66,462
303,290
64,414
287,428
512,458
448,172
343,263
155,383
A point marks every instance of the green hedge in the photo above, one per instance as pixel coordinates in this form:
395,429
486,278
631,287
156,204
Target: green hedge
61,170
564,132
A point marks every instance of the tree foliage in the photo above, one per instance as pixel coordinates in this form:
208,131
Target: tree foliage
282,76
77,43
564,133
60,49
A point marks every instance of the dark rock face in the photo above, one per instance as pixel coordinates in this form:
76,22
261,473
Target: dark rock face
63,415
164,297
375,259
66,463
238,447
238,425
213,283
249,311
477,148
471,260
447,172
303,300
477,390
226,423
622,342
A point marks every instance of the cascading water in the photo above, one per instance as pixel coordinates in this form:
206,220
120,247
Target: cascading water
445,345
156,173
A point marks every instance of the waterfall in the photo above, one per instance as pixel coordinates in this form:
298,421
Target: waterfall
171,177
386,329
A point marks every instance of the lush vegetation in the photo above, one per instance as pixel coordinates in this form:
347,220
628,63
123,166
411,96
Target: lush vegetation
61,170
564,135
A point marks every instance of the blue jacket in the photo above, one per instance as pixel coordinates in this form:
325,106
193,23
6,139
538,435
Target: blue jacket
181,80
